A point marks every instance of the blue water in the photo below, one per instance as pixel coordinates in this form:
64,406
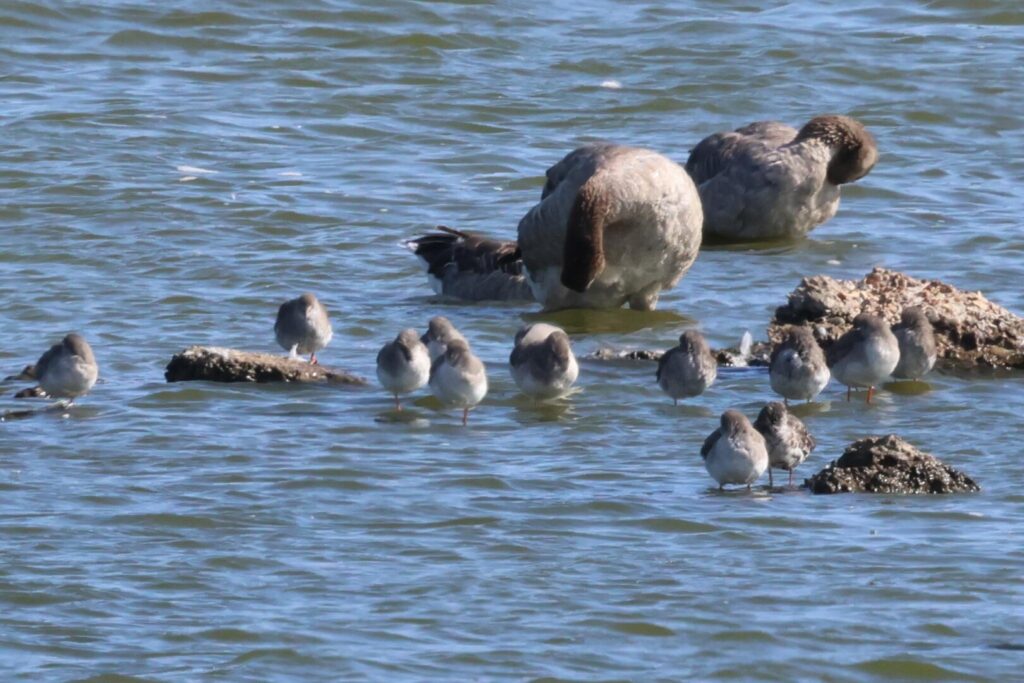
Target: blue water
170,173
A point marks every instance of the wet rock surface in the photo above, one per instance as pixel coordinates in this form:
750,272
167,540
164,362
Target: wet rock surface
971,331
730,357
888,464
215,364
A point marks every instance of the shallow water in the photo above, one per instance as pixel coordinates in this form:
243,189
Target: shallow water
170,173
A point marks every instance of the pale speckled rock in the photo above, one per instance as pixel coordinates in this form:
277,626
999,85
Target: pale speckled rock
216,364
971,332
888,464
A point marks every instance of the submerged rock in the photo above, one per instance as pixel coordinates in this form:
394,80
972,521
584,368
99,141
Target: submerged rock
971,331
216,364
888,464
756,356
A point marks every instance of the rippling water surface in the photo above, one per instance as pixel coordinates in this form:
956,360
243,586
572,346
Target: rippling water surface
170,172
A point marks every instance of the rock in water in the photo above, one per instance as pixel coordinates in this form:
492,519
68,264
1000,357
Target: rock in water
888,464
216,364
971,332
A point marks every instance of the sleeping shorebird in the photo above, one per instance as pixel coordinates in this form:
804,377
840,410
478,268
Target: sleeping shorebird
797,369
439,332
770,181
916,338
615,225
458,378
303,327
789,443
68,369
735,453
542,362
865,355
688,369
403,365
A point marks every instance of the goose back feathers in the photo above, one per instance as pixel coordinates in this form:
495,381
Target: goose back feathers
770,181
615,225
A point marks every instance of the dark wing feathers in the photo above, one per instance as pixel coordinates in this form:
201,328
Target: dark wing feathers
469,253
715,152
802,435
710,442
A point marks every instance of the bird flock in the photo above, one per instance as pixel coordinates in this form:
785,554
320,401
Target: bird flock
616,225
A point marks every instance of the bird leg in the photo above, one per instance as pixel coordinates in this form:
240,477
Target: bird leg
770,482
398,404
791,479
848,390
312,358
465,416
871,390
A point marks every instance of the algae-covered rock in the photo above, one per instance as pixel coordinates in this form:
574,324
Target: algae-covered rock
888,464
971,331
215,364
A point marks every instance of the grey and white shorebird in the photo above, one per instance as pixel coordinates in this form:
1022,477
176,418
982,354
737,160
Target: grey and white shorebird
303,327
688,369
542,362
797,369
788,440
916,338
768,180
615,225
440,331
865,355
403,365
458,378
735,453
68,369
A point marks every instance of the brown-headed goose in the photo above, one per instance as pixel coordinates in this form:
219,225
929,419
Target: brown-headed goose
770,181
615,225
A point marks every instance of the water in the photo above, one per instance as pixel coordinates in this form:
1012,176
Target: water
169,173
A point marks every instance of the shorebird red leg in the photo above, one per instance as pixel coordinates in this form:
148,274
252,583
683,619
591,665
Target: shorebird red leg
871,390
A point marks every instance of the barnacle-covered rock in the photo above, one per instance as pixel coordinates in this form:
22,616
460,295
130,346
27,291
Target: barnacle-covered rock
888,464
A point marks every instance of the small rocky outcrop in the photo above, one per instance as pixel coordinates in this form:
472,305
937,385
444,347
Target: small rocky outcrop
757,356
888,464
216,364
971,331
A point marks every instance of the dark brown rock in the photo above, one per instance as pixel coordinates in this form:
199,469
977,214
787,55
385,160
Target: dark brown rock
731,357
888,464
31,392
971,331
215,364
